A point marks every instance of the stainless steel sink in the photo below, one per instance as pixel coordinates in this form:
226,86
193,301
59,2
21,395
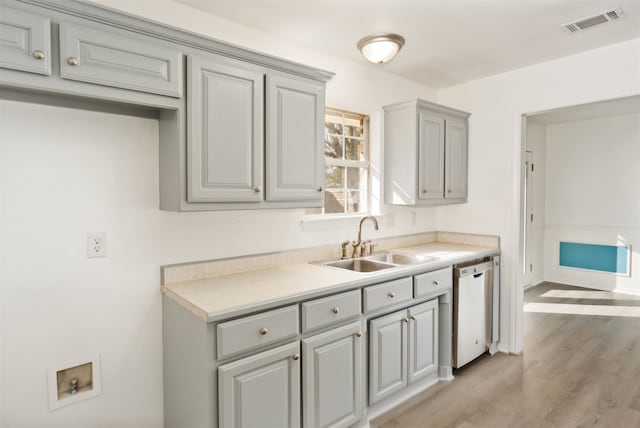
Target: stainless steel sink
378,262
360,265
399,259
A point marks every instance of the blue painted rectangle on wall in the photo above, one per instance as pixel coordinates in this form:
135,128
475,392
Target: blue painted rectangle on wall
605,258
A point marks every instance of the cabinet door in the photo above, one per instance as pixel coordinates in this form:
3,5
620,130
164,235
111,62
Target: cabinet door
423,340
261,391
25,41
456,159
122,60
431,149
388,355
225,132
295,126
333,381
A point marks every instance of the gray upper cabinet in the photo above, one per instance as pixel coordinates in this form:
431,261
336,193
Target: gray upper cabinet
225,131
262,390
248,135
294,150
431,149
25,41
115,58
456,159
425,147
231,162
333,377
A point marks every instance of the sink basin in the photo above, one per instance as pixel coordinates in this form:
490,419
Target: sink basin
360,265
399,259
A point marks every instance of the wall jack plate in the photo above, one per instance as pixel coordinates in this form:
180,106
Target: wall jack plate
96,244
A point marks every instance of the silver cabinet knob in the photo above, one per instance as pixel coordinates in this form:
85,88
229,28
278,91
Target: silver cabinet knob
264,331
424,190
359,334
335,310
72,60
319,189
392,295
257,189
38,54
412,318
296,357
435,283
406,320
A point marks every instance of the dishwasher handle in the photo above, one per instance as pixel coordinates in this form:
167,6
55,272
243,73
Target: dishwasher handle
475,270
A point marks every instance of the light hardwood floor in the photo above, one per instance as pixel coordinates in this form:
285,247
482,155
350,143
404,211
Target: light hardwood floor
575,371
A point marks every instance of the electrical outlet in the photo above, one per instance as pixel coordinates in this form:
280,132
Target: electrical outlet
96,244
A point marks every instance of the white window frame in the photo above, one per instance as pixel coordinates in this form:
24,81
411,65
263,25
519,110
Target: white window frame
366,164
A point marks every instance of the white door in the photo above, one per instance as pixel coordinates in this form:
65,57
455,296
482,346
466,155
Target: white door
529,242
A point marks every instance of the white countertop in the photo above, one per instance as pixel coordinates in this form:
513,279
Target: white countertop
237,294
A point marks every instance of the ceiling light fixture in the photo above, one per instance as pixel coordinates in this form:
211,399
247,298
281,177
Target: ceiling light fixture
380,48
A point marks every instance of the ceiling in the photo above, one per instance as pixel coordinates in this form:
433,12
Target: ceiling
615,107
447,42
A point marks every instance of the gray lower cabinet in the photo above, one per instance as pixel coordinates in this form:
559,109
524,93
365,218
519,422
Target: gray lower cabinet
387,355
423,340
261,391
425,154
403,347
295,132
225,135
109,57
25,41
333,377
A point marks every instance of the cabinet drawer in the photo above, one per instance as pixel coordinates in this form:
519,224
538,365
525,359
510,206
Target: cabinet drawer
25,41
387,294
119,60
429,282
330,310
256,331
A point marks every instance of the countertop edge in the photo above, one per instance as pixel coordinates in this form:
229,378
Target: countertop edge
366,279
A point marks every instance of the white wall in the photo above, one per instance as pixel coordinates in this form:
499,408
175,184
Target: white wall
593,194
496,104
65,172
536,145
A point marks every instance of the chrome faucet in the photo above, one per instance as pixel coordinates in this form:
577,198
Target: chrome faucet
358,248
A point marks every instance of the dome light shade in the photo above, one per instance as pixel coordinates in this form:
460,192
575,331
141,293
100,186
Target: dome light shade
380,48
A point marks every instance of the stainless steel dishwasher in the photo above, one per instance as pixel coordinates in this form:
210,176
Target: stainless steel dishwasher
472,311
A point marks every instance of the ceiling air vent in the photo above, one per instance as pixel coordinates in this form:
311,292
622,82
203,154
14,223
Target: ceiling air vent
592,21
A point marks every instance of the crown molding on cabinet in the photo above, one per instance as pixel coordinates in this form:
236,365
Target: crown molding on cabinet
150,28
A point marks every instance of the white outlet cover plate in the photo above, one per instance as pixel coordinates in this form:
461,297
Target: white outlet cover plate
96,244
52,384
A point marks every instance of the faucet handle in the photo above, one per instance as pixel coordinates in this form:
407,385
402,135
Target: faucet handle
372,247
356,247
343,247
365,250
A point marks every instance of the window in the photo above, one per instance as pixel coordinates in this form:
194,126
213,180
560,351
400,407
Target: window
346,154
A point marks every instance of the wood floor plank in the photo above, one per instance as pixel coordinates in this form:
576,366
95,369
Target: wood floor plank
575,371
